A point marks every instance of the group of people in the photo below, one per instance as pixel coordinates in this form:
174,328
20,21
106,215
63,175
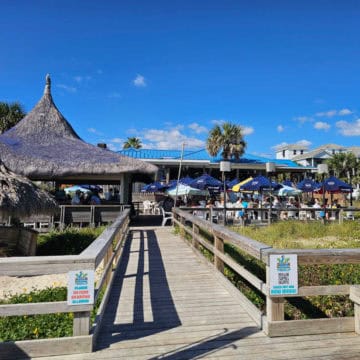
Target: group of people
87,198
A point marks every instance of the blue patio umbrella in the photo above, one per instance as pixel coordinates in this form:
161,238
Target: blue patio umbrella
260,183
186,180
232,183
92,187
207,182
287,182
335,185
73,189
308,185
154,187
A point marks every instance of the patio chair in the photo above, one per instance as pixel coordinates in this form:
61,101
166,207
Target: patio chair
349,215
167,215
147,206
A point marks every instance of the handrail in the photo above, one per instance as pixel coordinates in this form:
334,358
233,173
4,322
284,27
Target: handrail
100,251
273,323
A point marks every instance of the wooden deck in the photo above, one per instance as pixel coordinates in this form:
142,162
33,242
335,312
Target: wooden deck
168,304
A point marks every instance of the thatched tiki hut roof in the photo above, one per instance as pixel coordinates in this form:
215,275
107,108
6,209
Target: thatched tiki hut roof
20,197
44,146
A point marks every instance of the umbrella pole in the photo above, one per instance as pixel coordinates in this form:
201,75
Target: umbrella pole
179,173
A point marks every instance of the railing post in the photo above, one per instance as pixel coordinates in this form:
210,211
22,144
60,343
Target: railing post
92,216
107,258
182,222
355,297
81,323
195,229
274,305
62,217
219,246
341,216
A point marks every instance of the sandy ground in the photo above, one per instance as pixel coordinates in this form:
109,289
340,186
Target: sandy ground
16,285
11,285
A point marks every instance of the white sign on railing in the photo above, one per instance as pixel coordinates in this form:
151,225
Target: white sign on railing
80,288
283,274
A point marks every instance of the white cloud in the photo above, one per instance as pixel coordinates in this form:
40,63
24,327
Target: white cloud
247,130
70,89
117,140
320,125
198,128
332,113
217,122
303,119
348,128
139,81
275,147
344,112
304,142
328,114
171,139
79,79
94,131
280,128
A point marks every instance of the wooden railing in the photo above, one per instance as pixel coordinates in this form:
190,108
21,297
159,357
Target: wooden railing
104,251
255,215
272,321
74,215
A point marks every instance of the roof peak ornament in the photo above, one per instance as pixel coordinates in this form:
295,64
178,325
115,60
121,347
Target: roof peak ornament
48,85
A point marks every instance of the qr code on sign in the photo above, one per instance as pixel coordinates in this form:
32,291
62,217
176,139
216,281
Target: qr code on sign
283,278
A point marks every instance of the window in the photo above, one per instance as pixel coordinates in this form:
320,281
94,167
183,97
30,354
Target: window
301,152
283,153
294,152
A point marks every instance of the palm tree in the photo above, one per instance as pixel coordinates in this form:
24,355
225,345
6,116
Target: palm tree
343,163
229,138
10,115
132,142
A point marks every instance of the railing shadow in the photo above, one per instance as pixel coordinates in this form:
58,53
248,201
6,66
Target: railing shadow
160,294
209,345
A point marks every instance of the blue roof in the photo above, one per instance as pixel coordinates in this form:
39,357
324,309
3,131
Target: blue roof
201,155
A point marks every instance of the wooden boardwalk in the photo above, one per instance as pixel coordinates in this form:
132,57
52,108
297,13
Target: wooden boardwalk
168,304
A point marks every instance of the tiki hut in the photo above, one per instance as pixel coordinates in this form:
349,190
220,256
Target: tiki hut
20,197
44,146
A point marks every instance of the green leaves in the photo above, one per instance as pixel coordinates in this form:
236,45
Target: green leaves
229,138
10,115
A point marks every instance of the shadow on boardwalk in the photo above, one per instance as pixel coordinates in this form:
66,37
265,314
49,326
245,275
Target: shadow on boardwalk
209,345
160,295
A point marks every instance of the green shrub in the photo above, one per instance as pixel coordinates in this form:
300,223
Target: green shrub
71,241
28,327
25,327
295,234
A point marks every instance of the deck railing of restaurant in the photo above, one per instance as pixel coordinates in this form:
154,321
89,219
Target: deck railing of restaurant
101,256
72,215
202,234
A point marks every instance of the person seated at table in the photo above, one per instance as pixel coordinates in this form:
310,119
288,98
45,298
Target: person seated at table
76,198
95,199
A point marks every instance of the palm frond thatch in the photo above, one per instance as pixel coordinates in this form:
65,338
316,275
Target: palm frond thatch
44,146
20,197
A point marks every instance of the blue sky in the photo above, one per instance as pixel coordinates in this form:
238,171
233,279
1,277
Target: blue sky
167,71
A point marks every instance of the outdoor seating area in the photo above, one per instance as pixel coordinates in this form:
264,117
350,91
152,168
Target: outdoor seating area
254,200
